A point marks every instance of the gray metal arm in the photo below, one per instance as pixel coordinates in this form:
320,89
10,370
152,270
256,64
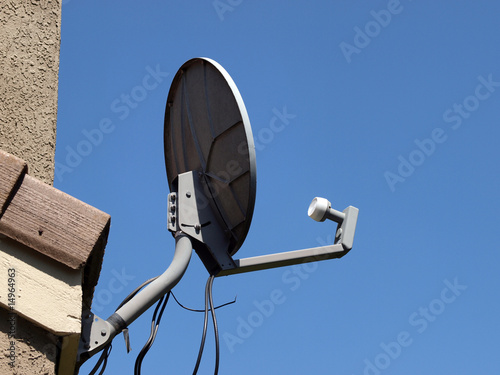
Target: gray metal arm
287,258
134,308
97,333
344,238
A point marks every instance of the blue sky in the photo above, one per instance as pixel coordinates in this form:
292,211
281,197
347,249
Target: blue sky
393,108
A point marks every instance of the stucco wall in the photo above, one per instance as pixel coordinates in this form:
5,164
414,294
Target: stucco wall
29,66
36,350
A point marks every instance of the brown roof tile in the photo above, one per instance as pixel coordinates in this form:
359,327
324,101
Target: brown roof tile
51,222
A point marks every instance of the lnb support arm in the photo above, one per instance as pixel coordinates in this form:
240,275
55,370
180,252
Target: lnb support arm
319,210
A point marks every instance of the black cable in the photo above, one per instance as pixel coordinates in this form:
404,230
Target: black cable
103,359
209,300
135,291
198,310
150,342
108,351
140,356
204,334
155,323
216,329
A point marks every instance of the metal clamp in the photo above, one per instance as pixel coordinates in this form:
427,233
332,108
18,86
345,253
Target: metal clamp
96,333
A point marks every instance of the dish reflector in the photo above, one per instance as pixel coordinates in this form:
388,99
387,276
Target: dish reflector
207,130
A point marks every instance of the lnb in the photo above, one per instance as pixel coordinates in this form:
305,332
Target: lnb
321,209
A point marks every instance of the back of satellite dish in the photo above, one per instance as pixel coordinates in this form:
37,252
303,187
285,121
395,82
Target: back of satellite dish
211,172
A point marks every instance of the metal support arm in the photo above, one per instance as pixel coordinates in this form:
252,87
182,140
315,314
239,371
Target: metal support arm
158,288
97,333
344,238
285,259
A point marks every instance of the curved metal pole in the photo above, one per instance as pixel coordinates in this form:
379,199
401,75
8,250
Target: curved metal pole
134,308
98,333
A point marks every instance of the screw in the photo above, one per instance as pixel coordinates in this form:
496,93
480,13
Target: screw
188,194
103,332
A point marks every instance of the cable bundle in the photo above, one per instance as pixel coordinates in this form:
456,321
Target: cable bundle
155,323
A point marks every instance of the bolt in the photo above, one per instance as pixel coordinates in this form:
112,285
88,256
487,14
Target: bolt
188,194
103,332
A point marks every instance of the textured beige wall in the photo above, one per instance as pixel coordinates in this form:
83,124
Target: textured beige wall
29,66
36,350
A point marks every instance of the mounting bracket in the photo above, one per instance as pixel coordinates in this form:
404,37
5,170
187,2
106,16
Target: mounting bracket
190,212
344,238
97,333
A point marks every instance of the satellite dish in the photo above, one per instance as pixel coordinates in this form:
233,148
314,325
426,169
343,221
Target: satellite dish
207,131
211,172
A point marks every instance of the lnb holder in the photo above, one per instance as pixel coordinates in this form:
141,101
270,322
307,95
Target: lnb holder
320,210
